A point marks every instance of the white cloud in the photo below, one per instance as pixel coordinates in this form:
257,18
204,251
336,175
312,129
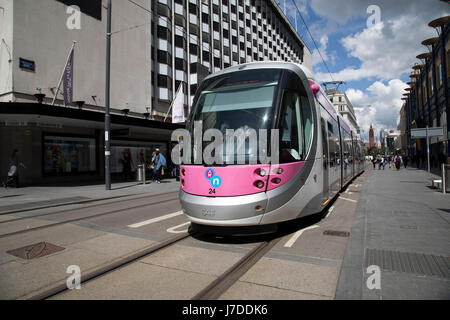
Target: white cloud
388,49
344,11
381,54
380,106
323,50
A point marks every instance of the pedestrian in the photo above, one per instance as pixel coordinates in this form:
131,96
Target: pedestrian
13,172
159,163
390,161
405,161
380,162
126,164
398,160
374,162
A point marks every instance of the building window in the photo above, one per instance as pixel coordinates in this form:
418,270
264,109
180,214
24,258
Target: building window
91,8
164,57
164,33
163,81
192,8
439,75
65,154
193,67
193,49
193,89
180,64
205,56
179,41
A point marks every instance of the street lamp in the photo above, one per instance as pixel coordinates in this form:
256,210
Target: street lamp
107,102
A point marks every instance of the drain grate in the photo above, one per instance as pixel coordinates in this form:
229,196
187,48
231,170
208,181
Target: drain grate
408,227
336,233
407,262
36,250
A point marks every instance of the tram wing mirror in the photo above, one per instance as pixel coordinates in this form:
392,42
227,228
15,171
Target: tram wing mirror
314,88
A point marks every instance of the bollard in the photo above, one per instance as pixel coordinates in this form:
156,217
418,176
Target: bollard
444,181
139,173
143,174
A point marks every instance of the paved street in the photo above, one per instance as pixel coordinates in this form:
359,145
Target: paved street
398,213
385,218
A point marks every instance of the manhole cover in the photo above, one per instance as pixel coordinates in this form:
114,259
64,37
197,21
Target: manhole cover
36,250
336,233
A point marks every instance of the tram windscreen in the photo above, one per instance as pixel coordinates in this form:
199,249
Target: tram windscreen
239,100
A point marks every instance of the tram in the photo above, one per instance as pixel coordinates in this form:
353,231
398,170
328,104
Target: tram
318,153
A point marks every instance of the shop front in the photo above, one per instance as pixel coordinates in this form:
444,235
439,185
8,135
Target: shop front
63,146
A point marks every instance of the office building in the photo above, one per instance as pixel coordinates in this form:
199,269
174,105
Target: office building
156,47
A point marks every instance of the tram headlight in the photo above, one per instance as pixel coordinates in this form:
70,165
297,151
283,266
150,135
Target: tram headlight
260,172
259,184
276,180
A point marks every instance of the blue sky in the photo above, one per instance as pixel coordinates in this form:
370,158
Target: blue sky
373,56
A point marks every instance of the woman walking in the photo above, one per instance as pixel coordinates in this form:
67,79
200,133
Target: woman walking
13,173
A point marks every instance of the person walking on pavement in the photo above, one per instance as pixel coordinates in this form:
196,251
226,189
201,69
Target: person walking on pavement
159,164
126,163
389,161
13,172
380,162
405,161
398,160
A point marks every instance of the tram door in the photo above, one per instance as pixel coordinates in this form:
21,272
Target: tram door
326,185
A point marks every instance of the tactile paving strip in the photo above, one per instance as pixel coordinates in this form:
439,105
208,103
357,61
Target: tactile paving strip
409,262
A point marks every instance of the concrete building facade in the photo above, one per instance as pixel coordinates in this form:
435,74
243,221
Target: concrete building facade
344,107
427,97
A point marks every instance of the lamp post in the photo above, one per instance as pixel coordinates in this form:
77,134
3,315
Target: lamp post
107,102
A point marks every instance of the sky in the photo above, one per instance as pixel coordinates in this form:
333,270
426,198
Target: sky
371,45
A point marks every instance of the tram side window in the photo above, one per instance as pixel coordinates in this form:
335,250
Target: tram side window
291,138
333,137
307,122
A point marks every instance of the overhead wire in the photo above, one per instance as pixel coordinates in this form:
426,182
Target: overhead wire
312,38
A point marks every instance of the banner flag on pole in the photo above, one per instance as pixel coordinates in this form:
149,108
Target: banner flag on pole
68,81
178,106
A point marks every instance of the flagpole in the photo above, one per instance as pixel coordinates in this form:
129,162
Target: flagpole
64,70
176,94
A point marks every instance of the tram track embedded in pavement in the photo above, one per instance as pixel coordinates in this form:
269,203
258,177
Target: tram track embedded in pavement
83,218
119,263
86,207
